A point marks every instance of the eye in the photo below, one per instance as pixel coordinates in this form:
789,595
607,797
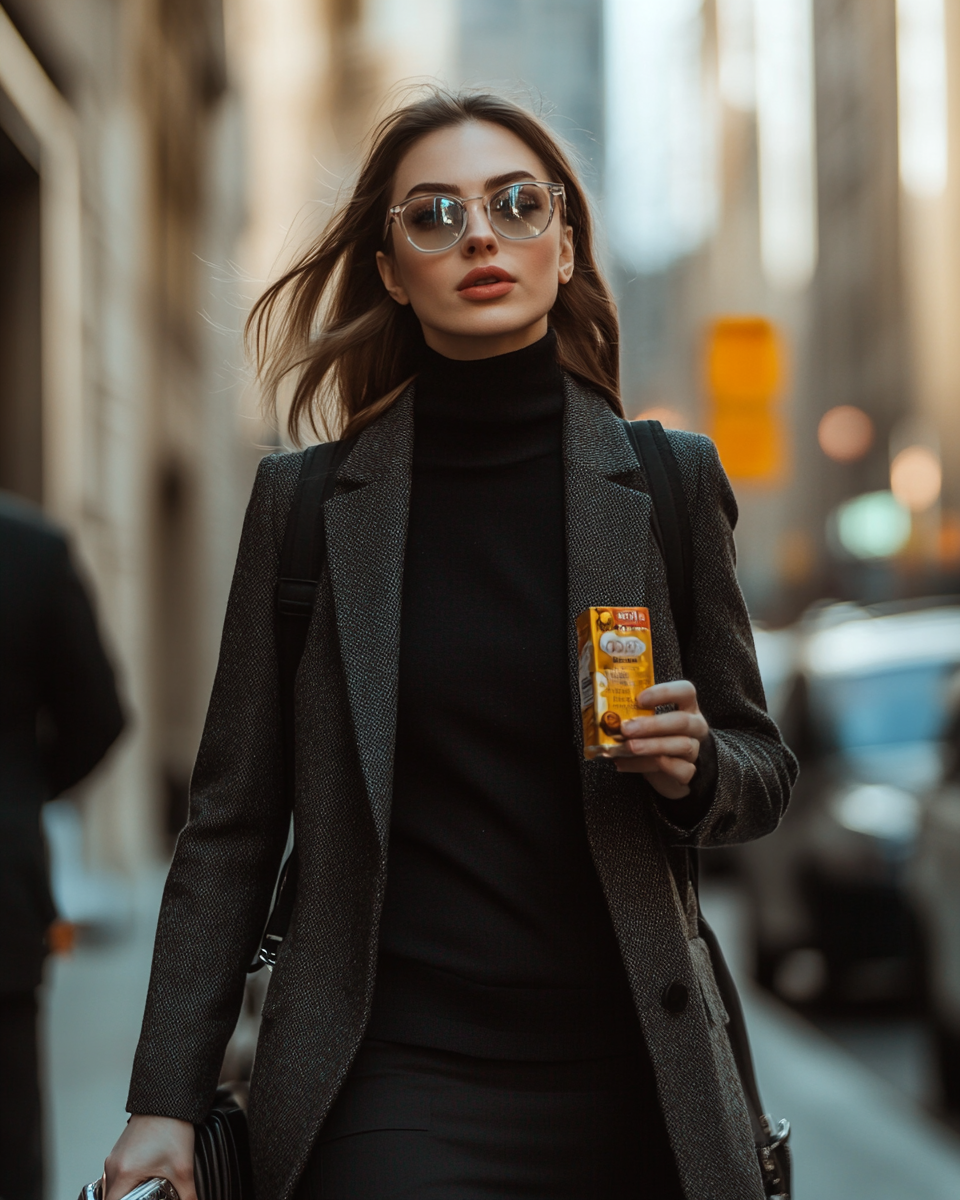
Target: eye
517,202
429,212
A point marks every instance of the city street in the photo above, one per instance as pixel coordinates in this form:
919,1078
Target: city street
858,1135
734,224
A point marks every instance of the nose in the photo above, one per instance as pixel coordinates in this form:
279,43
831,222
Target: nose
479,237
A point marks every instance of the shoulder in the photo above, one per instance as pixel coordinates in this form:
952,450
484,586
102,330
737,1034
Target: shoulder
39,548
690,449
273,489
25,521
704,479
280,469
278,475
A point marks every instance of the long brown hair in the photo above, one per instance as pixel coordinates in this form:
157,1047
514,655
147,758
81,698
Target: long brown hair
350,348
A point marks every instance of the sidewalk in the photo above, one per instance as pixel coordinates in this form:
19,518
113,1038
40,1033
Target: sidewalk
93,1006
855,1136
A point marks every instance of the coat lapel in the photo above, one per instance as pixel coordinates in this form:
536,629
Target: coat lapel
366,528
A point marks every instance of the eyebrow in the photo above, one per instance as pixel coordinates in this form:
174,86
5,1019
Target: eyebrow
451,189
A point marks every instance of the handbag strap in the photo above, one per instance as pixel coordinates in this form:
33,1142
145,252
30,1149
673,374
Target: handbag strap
671,520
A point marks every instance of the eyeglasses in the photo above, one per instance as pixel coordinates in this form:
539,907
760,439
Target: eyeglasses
433,222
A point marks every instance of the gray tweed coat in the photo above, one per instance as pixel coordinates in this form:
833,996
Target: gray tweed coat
318,1002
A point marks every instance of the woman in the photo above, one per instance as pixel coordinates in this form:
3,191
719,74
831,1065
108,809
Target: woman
493,983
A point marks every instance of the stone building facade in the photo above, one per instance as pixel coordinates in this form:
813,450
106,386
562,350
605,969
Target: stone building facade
121,129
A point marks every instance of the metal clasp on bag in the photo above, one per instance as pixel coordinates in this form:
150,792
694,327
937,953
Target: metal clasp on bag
152,1189
269,951
774,1157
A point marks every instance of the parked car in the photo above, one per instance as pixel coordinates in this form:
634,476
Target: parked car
934,881
865,713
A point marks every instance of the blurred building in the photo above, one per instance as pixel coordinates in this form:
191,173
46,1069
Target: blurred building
812,182
122,200
931,242
121,181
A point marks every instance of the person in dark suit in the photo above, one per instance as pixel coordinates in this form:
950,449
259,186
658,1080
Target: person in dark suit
59,714
494,981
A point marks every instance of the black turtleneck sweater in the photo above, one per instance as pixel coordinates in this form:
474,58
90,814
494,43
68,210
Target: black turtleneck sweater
495,938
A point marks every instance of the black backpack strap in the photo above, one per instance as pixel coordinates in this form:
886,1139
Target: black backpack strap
675,536
301,563
672,516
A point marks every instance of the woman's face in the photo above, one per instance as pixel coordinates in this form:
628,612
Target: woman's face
460,317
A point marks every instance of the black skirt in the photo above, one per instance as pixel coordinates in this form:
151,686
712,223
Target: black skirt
419,1124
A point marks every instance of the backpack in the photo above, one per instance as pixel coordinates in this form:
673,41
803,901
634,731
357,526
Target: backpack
301,561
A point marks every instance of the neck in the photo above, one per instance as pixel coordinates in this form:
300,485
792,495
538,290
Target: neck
469,348
498,410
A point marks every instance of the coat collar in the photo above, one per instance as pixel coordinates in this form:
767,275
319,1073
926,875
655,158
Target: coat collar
611,558
593,438
593,435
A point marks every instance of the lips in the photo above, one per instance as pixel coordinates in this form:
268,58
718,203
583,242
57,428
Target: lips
486,283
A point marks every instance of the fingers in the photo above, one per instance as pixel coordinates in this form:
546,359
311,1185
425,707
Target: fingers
121,1183
677,769
676,724
680,692
666,782
185,1187
685,748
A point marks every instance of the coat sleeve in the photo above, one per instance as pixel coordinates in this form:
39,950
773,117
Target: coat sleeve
221,880
751,769
82,701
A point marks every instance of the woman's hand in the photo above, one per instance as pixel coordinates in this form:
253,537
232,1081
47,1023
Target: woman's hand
665,748
151,1148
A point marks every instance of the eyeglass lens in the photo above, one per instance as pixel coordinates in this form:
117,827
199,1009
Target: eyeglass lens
520,210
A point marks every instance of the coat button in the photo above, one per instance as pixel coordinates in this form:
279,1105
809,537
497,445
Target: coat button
675,996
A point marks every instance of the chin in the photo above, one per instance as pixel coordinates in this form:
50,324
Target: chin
488,322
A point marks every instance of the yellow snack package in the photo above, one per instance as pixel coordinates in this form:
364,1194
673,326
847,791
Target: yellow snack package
616,665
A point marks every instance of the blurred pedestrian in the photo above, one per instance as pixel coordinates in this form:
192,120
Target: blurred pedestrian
59,714
521,1003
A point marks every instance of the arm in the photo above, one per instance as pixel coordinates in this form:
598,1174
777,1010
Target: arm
219,887
719,761
81,703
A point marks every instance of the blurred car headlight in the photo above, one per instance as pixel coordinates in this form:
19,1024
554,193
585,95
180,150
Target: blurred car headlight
889,814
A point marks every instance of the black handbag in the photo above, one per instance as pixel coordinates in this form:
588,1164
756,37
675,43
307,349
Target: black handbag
221,1157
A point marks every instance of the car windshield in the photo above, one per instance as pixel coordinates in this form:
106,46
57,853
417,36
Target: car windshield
877,708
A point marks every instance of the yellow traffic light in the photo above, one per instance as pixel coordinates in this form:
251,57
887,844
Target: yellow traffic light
745,372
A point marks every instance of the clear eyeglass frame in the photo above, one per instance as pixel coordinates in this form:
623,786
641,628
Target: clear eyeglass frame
395,214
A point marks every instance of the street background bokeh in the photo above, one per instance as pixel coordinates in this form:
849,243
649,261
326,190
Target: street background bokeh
778,190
